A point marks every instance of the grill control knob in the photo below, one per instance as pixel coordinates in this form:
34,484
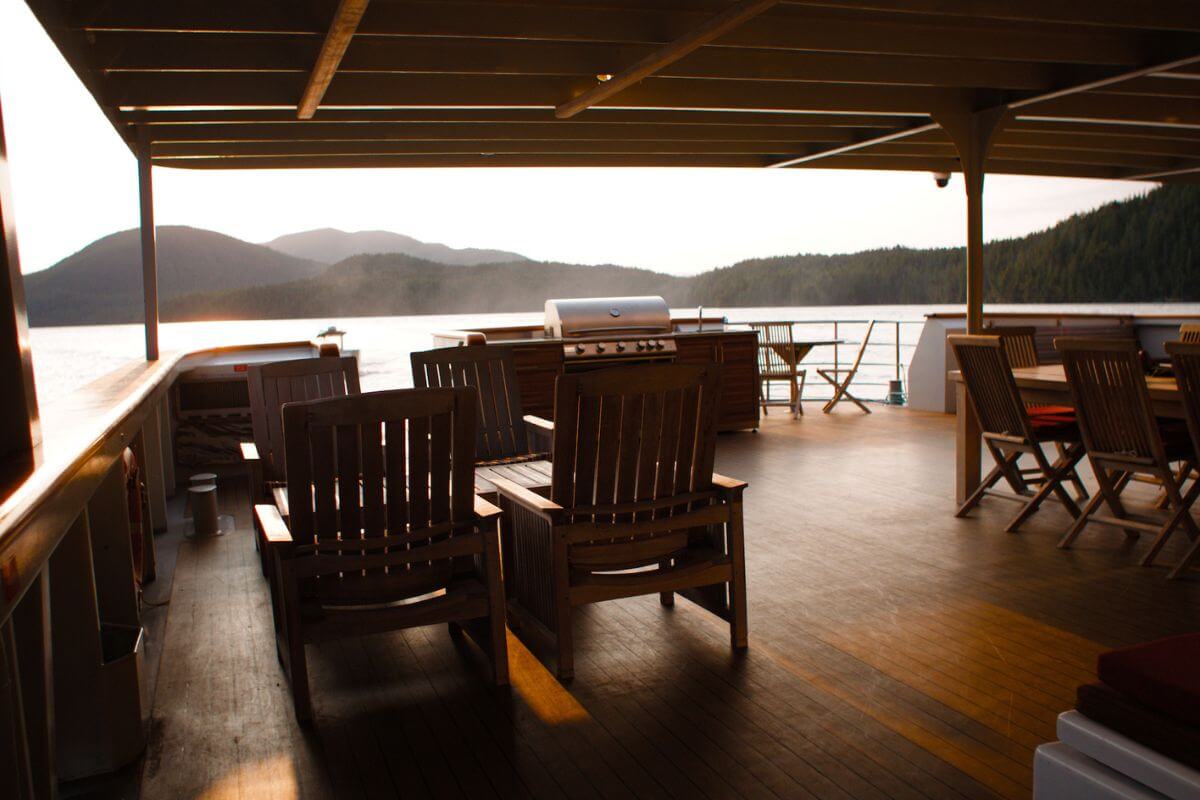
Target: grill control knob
620,347
660,344
599,347
641,345
580,349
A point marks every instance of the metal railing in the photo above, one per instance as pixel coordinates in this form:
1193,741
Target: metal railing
876,369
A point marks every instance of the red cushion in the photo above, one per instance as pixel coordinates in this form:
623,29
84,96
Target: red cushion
1058,411
1051,429
1163,675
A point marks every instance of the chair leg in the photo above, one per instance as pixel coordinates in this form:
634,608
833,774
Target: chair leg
739,626
1181,504
1052,484
800,394
977,495
1190,557
666,599
497,632
1077,527
795,398
562,601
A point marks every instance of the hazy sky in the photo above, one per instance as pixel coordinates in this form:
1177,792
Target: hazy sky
74,181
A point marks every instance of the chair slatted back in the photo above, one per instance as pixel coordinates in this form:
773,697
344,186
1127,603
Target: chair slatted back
379,487
983,362
776,348
1020,344
1189,332
634,444
1112,402
490,370
1185,359
862,347
272,385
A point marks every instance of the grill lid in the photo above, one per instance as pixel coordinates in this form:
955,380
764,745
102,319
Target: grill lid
607,316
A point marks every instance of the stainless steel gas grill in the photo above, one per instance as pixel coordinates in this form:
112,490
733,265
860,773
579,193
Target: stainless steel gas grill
611,329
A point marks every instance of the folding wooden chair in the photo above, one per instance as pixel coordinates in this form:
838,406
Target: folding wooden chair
633,508
841,386
1185,358
386,531
777,362
272,385
1124,438
1020,345
1010,432
504,435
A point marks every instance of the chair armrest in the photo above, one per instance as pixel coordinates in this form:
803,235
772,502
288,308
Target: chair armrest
249,451
530,500
540,432
274,529
731,487
485,510
535,421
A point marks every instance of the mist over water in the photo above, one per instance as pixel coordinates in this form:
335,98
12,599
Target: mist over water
68,358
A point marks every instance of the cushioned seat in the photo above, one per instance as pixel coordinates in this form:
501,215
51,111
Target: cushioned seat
1052,411
1163,675
1166,735
1054,429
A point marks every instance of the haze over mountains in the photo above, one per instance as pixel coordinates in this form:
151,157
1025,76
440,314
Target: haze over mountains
329,245
1143,249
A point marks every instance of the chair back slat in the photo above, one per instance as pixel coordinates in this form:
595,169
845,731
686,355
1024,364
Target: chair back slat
776,348
862,347
993,393
490,370
1112,402
394,467
1189,332
634,437
1185,359
272,385
1020,344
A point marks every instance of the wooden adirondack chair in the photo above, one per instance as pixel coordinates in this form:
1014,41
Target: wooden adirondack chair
504,435
272,385
382,537
633,508
840,379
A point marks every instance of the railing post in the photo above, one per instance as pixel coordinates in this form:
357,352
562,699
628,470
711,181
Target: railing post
897,349
836,362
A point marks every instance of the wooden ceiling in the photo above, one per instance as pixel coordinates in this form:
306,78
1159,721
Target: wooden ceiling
1098,89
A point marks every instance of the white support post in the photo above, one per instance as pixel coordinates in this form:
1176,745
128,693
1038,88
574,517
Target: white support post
149,242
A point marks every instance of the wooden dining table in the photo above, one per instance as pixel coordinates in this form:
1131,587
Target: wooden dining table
1047,384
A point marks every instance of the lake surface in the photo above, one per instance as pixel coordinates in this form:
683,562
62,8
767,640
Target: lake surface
71,357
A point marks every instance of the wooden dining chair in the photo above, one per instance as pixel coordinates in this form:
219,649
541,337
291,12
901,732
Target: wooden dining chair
1124,438
1185,358
777,362
382,538
633,508
504,434
841,385
1009,431
1020,346
270,386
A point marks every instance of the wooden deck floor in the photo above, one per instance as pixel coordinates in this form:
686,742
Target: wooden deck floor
895,652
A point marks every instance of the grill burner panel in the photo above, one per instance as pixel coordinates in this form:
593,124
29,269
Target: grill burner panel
612,328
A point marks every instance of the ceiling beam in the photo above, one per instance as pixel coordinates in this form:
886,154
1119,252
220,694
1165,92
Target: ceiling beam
1160,175
1011,106
190,90
341,31
791,28
1160,14
712,28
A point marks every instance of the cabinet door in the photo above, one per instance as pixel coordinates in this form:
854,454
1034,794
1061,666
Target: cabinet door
697,350
538,367
738,355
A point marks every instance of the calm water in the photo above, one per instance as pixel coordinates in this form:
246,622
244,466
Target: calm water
68,358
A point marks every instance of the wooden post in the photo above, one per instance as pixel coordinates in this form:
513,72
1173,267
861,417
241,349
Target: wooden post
31,634
20,431
149,243
972,134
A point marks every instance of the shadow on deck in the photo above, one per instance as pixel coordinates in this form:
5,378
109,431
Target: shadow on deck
895,652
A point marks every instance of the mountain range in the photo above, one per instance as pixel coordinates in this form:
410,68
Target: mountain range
329,246
1142,249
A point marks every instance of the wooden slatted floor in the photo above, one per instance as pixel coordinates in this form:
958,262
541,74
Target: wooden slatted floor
896,652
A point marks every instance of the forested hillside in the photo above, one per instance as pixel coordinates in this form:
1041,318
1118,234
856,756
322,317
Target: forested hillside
1143,249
